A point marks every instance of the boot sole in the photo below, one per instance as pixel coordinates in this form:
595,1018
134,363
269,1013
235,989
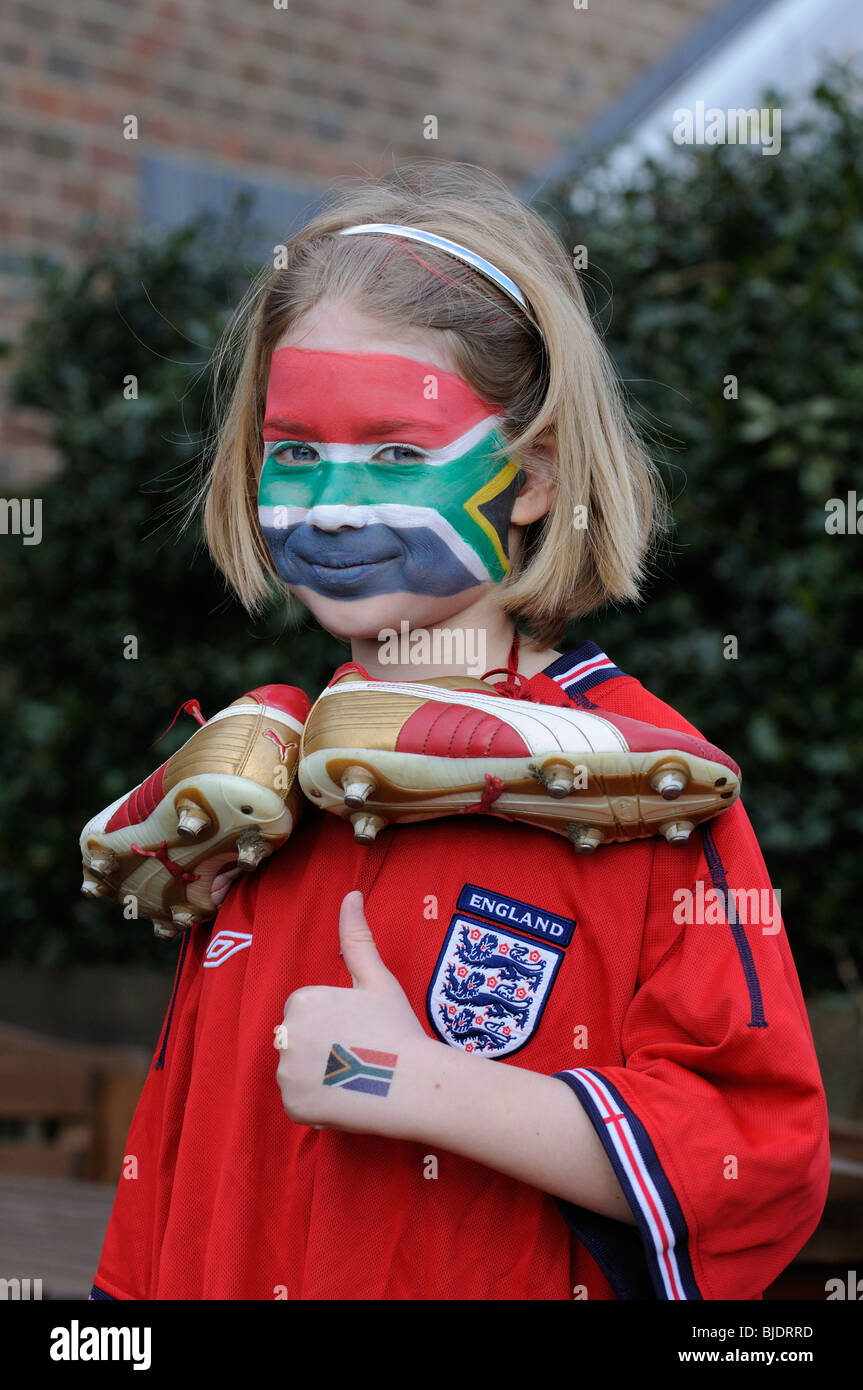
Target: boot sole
612,792
224,798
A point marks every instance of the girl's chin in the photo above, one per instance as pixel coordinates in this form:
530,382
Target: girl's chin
366,618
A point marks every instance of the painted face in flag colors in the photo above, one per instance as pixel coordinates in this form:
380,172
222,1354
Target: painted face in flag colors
377,477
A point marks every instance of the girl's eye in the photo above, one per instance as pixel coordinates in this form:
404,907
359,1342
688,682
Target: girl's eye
399,449
290,452
285,453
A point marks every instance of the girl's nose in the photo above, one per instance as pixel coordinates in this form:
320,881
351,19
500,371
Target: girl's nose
331,518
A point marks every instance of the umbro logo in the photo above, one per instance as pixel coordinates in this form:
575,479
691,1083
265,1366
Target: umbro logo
225,944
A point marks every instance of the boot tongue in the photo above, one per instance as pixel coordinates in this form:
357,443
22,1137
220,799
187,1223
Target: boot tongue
349,670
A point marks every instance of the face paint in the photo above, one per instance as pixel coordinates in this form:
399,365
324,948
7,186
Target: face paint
343,515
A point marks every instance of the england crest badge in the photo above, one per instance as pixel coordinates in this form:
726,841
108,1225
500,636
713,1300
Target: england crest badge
490,987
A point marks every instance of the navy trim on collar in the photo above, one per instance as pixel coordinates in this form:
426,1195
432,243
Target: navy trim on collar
580,670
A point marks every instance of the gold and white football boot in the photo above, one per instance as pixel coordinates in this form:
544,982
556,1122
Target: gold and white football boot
381,752
228,796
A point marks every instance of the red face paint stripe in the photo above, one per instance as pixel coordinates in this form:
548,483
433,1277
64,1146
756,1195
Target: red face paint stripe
339,396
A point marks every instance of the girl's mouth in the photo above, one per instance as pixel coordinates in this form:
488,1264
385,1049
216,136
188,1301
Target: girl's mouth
332,567
329,556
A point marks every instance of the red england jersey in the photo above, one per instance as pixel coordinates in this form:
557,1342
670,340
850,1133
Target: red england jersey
687,1045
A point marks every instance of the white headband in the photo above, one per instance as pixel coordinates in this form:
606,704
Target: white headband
461,253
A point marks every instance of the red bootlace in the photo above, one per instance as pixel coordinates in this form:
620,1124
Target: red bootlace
493,788
191,707
164,857
516,686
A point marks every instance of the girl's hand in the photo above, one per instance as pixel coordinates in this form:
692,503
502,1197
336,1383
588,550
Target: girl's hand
328,1034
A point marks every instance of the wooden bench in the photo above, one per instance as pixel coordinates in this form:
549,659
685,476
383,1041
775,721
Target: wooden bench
65,1111
66,1107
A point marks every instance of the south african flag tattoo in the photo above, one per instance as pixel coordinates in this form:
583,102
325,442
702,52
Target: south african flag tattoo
360,1069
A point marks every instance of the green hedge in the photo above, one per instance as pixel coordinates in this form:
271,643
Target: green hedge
719,262
79,718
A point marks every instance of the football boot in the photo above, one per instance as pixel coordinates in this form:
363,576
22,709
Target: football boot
382,752
228,797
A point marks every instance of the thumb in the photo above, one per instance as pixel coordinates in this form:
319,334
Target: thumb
358,947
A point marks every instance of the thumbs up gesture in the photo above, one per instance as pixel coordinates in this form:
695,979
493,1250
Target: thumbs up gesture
345,1054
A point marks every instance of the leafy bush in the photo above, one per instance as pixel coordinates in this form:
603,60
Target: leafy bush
718,262
79,718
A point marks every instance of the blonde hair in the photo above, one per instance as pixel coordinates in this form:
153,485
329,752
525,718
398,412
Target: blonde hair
566,390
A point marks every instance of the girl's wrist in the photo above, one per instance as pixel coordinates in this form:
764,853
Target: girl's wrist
412,1107
429,1106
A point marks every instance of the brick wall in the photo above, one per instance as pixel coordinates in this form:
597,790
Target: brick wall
296,95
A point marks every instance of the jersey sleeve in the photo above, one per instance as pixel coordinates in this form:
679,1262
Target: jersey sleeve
716,1124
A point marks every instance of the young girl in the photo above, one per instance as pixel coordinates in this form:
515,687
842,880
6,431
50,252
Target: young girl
660,1132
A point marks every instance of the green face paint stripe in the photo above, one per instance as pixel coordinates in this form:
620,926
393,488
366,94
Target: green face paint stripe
354,484
456,490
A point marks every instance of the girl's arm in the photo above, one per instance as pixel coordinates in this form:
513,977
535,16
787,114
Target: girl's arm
358,1060
521,1123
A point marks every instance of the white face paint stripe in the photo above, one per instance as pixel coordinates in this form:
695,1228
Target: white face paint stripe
361,453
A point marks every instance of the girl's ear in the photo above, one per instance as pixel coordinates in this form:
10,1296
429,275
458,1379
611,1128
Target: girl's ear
540,487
